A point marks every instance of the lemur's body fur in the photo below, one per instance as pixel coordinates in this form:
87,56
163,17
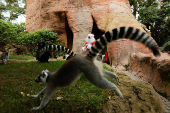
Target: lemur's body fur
4,56
71,70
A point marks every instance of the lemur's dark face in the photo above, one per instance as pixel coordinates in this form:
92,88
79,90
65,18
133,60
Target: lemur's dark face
42,77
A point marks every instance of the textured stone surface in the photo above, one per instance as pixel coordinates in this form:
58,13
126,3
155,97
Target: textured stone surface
165,102
73,20
153,70
139,97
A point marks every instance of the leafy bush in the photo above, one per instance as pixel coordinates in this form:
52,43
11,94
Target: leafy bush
32,40
3,33
27,43
156,18
166,46
9,32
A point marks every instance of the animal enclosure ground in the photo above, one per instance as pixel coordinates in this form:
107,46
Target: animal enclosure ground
20,77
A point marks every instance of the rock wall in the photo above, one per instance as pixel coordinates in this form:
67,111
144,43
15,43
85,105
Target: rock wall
153,70
73,20
139,97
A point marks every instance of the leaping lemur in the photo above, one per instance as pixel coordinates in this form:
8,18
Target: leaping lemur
88,64
4,56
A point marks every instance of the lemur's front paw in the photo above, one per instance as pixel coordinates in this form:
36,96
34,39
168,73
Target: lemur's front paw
33,96
117,79
34,108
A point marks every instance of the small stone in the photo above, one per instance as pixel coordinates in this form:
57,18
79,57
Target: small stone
59,98
22,93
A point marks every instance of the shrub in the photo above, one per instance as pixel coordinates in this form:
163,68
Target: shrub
9,32
32,40
166,46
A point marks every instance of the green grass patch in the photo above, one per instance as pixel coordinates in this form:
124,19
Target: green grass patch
15,78
21,57
104,66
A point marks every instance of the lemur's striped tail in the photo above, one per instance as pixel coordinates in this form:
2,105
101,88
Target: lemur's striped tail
55,48
124,32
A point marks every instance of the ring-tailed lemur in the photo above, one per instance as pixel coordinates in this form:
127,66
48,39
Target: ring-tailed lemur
4,56
71,70
45,57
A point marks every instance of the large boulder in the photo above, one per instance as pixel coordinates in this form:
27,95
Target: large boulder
139,97
153,70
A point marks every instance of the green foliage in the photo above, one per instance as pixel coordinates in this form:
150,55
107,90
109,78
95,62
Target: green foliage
9,32
157,19
155,16
81,97
15,34
2,9
104,66
138,4
166,46
31,40
4,33
149,14
39,36
13,7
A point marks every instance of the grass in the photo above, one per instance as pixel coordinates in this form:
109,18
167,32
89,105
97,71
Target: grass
21,57
20,77
104,66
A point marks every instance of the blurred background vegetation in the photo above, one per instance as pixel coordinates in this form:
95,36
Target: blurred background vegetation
155,15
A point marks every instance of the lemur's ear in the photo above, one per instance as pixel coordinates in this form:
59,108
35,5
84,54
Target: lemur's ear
46,70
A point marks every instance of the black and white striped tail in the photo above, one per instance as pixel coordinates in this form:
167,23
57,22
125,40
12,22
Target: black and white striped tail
124,32
55,48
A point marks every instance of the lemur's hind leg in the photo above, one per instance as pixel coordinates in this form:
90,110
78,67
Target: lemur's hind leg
40,93
111,75
45,100
4,61
102,82
107,85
